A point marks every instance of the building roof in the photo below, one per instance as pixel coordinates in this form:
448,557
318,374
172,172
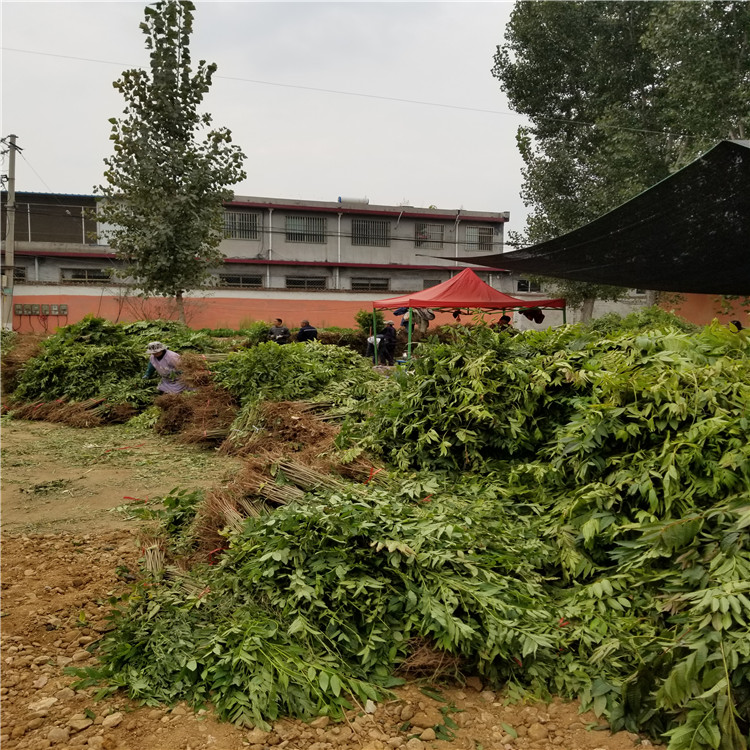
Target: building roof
361,207
20,193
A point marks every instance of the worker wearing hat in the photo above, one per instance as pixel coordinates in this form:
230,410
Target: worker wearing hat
166,364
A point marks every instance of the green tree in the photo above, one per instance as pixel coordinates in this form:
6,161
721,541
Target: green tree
165,183
618,95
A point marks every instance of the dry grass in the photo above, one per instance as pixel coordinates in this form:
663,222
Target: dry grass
425,660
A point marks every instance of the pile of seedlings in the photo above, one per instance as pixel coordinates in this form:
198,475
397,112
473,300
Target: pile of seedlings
90,373
567,512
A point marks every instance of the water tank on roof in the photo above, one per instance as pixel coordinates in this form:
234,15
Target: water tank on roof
364,200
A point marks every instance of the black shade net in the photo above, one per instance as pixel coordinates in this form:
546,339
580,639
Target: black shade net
688,233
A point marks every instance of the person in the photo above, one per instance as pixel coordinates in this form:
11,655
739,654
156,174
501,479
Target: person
307,332
279,332
388,349
421,321
735,326
504,323
370,353
166,364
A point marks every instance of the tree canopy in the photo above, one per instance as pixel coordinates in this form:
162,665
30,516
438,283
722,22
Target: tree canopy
618,95
171,170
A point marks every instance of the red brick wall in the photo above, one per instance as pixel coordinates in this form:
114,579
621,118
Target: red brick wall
703,308
213,312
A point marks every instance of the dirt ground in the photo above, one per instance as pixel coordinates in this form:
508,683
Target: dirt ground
62,549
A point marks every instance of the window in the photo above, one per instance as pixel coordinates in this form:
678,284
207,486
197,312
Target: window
240,280
86,275
524,285
305,282
479,239
19,272
305,229
241,225
427,283
428,235
371,285
640,291
373,232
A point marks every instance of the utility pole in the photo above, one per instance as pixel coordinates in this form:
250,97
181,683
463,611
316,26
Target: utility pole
10,238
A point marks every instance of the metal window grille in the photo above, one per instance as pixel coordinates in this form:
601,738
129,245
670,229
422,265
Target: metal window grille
241,225
19,272
370,285
242,281
305,229
85,275
305,282
428,235
524,285
372,232
479,239
427,283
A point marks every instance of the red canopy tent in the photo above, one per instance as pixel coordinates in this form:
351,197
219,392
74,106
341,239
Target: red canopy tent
465,289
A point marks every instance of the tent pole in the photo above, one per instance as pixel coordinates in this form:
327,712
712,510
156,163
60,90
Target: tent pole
411,323
565,317
374,336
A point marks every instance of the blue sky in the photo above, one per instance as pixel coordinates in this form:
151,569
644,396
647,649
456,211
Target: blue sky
299,143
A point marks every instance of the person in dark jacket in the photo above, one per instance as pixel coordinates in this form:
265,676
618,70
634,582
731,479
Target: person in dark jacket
279,332
307,332
388,349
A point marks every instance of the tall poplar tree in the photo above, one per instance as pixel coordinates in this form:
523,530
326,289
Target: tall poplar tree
171,170
619,95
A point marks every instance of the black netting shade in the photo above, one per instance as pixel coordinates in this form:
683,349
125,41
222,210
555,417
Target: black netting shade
688,233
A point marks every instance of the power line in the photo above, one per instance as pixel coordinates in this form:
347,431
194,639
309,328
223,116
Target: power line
378,97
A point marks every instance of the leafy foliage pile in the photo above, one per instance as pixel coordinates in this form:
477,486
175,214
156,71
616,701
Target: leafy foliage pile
578,523
7,340
489,397
292,372
648,317
321,599
96,358
79,362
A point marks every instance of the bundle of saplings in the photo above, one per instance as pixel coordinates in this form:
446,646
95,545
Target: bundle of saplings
91,372
326,597
293,372
81,361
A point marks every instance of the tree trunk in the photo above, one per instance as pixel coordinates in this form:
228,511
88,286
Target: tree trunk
180,306
587,310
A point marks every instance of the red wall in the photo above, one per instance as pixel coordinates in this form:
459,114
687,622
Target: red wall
703,308
226,312
214,312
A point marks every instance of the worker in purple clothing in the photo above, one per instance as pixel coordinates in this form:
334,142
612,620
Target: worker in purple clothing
166,364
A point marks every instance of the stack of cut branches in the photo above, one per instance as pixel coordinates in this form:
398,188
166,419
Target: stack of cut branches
92,412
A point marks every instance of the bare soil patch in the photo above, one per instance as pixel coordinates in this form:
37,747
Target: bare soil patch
64,553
